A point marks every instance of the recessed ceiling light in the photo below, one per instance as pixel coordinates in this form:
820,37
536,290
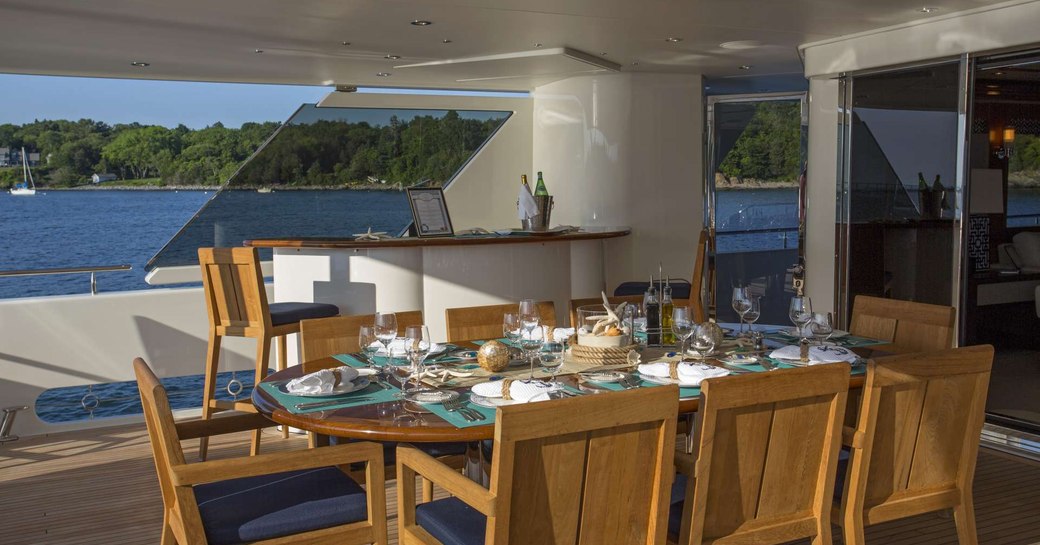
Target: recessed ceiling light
928,9
993,93
392,57
140,64
673,40
420,22
344,43
741,44
383,74
998,73
258,51
445,41
992,86
538,45
744,67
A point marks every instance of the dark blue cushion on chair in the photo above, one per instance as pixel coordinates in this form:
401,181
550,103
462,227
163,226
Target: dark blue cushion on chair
843,469
452,522
287,313
279,504
675,509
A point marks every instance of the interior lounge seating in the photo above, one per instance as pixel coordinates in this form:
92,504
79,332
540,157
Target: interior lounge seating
485,322
908,326
767,453
271,498
916,442
236,303
588,470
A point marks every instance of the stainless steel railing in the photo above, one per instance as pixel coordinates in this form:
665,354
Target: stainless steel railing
70,270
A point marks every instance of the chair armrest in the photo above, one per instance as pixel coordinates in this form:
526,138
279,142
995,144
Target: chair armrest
451,480
193,429
265,464
851,437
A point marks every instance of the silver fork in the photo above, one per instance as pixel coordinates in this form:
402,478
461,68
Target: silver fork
455,405
629,382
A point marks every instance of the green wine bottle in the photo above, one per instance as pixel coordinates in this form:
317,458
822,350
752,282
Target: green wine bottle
539,188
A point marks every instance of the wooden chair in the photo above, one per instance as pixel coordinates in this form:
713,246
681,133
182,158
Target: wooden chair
584,470
914,447
476,323
324,337
272,498
697,282
767,453
236,302
909,326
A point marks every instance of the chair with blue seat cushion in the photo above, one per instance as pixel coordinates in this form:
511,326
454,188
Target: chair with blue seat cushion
767,449
236,303
915,444
583,470
286,498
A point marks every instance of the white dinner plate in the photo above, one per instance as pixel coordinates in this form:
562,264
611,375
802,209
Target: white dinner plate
740,359
793,332
359,383
602,376
435,350
491,402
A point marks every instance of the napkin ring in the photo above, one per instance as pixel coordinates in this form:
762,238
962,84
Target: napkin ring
673,370
506,383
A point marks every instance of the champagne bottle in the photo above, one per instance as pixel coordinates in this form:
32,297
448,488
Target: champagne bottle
523,180
652,309
539,188
921,184
667,337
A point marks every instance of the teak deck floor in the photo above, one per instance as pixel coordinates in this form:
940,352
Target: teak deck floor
99,486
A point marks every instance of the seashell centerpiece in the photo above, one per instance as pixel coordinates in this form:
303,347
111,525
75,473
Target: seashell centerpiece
601,326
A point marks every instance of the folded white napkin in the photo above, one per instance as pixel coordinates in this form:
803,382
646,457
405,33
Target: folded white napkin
321,382
817,354
690,374
526,207
561,334
519,390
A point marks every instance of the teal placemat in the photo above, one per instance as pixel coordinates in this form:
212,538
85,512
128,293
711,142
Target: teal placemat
371,395
457,420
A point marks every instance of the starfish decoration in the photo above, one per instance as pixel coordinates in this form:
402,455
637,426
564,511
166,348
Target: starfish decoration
371,236
611,319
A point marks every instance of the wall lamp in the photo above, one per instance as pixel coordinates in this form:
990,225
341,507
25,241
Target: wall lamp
1004,152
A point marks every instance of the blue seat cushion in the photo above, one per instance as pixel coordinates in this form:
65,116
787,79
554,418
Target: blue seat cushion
843,469
675,505
288,313
255,508
452,522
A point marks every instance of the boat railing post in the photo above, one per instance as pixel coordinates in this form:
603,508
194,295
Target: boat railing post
8,422
93,283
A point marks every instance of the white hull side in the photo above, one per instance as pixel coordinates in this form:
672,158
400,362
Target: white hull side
23,192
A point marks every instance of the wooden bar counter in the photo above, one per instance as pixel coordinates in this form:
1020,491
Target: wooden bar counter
434,274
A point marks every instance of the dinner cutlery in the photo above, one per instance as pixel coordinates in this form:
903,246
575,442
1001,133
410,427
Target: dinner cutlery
455,405
317,404
629,382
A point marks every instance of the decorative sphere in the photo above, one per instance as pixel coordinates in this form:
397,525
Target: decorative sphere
493,356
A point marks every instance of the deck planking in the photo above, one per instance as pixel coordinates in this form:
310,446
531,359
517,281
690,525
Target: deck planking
99,486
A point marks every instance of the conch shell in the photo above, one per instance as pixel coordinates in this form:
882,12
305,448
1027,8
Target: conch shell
612,319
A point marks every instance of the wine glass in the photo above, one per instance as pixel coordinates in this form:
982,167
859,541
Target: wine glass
386,330
530,320
754,312
531,341
703,339
682,327
741,302
821,327
511,326
417,345
800,313
366,339
551,358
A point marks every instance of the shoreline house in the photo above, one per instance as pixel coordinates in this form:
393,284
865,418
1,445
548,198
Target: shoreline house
12,156
99,178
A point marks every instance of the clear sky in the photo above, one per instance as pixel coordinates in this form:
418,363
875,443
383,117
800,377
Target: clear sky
168,103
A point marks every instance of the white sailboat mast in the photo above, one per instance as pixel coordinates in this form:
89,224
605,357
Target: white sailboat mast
26,171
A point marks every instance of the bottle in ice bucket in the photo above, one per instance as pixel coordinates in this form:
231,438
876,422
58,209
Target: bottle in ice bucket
539,188
652,309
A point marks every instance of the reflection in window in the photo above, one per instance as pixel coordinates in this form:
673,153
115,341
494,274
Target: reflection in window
1023,198
335,172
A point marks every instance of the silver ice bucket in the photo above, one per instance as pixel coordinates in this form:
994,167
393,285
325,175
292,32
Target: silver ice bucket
540,222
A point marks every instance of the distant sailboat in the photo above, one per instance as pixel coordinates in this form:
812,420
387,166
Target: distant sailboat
265,190
27,188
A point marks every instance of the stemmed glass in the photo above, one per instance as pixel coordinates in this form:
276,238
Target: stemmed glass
551,358
530,322
741,302
703,339
386,331
754,312
821,327
800,313
366,338
417,346
511,326
682,327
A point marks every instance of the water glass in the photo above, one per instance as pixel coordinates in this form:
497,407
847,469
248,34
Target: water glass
682,326
417,346
704,339
366,341
741,302
530,342
821,327
386,329
551,357
511,326
800,313
753,313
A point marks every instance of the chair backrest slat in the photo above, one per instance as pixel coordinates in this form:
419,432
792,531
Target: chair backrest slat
909,326
768,447
234,286
586,470
921,417
476,323
324,337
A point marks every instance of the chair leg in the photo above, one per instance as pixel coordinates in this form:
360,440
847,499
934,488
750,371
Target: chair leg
283,352
210,389
964,518
852,529
263,357
167,532
823,533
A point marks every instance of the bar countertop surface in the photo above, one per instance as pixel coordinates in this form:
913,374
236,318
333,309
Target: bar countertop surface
585,233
